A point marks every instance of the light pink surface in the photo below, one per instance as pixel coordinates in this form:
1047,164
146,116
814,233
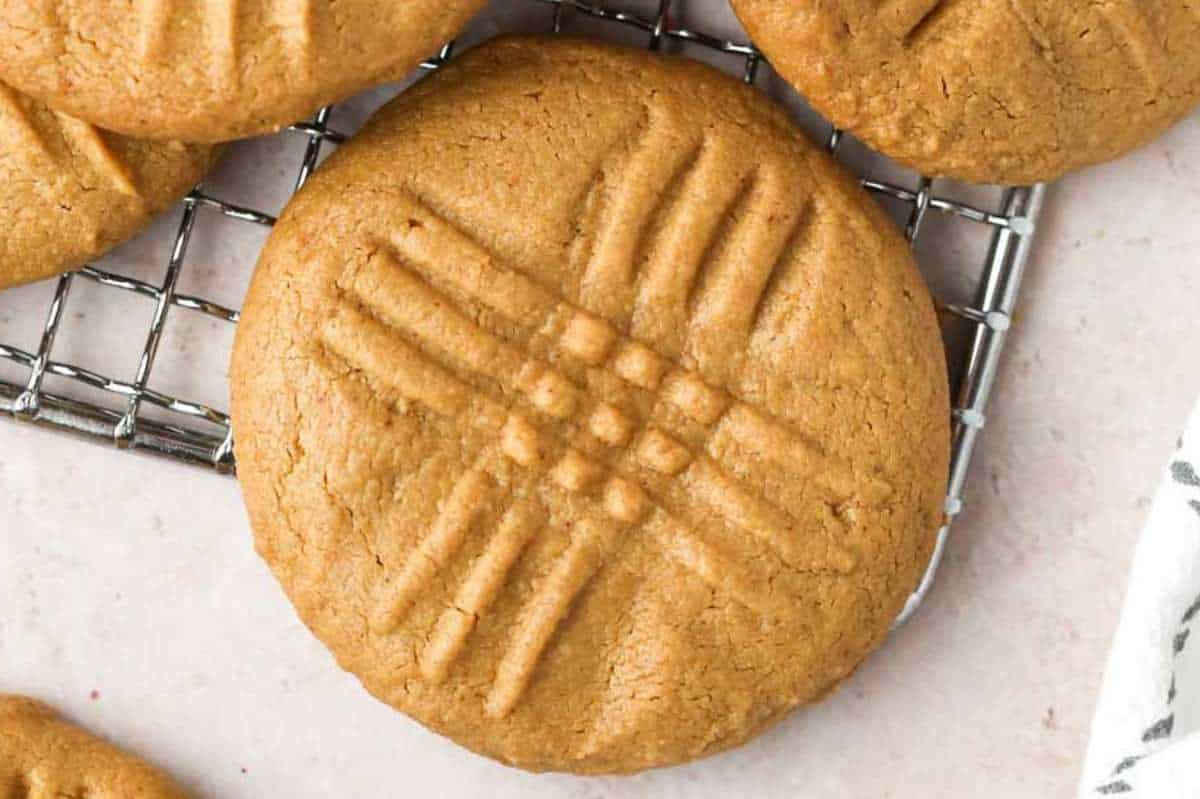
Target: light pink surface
135,579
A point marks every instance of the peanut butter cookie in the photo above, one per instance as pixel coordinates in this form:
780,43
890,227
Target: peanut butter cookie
70,191
213,70
589,413
43,755
995,91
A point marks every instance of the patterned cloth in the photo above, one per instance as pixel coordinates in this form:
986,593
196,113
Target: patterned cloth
1146,732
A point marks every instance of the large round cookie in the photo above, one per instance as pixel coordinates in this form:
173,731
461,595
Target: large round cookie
999,91
43,755
69,191
597,427
213,70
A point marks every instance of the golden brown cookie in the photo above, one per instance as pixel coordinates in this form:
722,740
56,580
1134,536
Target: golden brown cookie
596,428
995,91
70,191
213,70
43,755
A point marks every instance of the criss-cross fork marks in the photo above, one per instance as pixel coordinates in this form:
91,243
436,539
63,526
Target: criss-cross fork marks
471,497
418,343
404,371
20,136
408,371
428,317
431,246
290,20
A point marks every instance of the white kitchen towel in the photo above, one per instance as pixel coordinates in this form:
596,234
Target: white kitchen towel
1145,738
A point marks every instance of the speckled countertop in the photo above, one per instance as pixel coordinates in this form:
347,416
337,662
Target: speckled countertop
130,596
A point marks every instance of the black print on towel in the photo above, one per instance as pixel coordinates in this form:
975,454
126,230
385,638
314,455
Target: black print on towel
1183,473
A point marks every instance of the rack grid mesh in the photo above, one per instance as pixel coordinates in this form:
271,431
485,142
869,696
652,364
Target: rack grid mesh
197,433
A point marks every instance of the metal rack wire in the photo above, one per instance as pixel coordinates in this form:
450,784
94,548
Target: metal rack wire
200,434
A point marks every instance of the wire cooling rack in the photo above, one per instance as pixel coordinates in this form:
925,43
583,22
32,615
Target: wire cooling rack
198,433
